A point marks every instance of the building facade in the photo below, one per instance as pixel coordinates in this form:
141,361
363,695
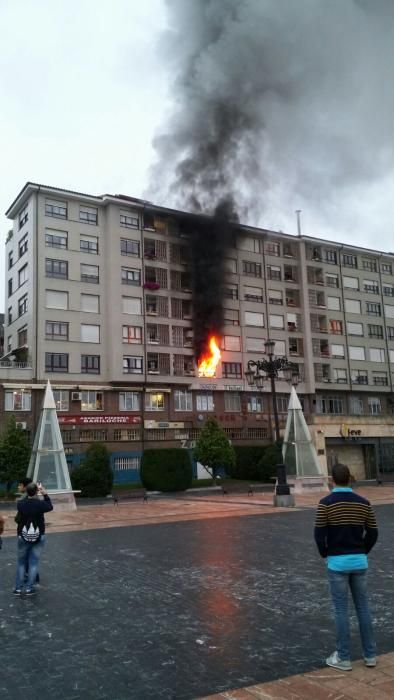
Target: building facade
99,301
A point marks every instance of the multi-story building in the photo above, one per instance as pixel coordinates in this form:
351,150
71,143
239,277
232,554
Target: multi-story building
99,301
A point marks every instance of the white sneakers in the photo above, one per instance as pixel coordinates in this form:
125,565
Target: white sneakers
345,665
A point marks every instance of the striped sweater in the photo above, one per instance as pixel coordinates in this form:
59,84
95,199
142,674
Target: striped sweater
345,524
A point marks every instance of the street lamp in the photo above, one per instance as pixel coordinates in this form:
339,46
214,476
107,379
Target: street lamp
257,372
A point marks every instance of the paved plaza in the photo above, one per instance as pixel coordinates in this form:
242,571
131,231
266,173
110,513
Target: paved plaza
186,598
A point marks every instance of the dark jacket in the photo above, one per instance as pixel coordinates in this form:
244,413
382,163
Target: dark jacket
345,524
33,509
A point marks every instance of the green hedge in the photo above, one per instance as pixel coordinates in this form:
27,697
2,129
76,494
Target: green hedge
94,475
166,470
254,462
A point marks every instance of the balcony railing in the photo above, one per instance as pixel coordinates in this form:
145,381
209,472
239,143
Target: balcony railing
7,364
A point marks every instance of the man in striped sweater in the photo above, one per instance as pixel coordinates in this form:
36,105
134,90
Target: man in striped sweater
345,532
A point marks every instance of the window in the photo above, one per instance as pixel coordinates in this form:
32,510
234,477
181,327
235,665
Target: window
335,326
132,365
132,334
253,318
231,317
377,355
93,435
131,305
356,406
129,219
183,400
375,331
56,362
129,401
255,404
330,256
129,247
332,404
89,244
90,303
230,265
22,337
282,404
352,306
56,209
374,405
274,272
128,435
391,354
92,401
17,400
337,350
231,370
275,296
250,244
231,342
390,332
131,276
370,265
61,400
255,344
332,280
359,376
232,402
389,311
388,290
90,273
276,321
380,378
123,463
350,282
23,216
56,300
56,239
272,248
386,268
90,364
373,309
251,268
9,315
253,294
204,402
10,259
90,333
22,275
354,328
230,291
154,401
349,260
371,286
339,375
280,348
56,268
56,330
22,305
356,352
88,215
22,245
9,343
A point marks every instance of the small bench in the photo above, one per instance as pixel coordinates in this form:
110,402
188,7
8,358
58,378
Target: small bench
129,493
236,488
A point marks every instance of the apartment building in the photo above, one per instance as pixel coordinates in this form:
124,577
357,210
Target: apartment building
99,301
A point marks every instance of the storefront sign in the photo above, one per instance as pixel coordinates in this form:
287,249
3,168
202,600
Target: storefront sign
99,420
150,424
347,432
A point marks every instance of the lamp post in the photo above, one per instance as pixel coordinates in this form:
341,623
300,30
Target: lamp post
257,372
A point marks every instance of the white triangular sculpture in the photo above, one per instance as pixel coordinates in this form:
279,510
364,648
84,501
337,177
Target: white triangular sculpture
48,463
299,452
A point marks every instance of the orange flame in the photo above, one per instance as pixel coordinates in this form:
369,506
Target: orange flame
209,361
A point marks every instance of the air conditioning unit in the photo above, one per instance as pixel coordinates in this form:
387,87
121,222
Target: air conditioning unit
22,425
76,396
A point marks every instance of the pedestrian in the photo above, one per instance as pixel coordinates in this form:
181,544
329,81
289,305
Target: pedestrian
345,532
23,494
31,535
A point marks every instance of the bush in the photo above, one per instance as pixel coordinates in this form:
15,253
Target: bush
247,462
268,462
166,470
213,449
94,475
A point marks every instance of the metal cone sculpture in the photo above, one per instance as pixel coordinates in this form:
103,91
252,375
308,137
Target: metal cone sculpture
48,461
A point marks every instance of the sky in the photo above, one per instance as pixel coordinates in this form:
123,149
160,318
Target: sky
284,105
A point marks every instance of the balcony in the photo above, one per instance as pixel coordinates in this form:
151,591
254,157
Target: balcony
22,371
153,286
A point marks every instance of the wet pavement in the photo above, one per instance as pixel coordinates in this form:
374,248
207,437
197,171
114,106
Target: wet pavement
179,601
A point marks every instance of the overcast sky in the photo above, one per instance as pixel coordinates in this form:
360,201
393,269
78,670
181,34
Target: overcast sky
85,87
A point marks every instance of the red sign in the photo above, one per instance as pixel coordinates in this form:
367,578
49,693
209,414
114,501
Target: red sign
99,420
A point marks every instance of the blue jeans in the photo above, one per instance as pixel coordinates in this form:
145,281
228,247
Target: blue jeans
28,560
340,582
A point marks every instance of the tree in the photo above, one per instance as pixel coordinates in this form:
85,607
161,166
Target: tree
167,469
14,453
94,475
213,449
